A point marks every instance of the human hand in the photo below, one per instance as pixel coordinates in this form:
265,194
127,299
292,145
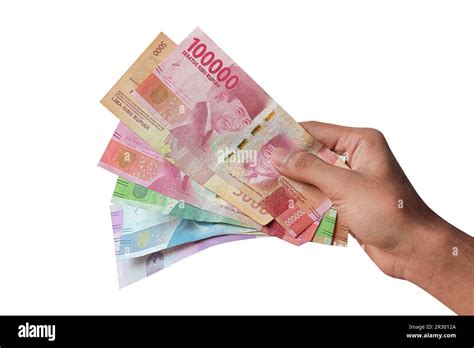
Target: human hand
376,201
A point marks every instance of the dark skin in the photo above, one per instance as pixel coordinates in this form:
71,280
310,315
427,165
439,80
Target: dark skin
376,201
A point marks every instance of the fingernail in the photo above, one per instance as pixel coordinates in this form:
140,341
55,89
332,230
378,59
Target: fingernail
280,156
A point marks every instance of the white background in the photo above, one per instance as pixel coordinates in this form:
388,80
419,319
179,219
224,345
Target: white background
405,67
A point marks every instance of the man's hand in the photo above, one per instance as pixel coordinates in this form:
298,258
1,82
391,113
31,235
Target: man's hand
376,201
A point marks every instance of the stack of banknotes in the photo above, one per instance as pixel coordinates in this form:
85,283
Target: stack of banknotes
192,153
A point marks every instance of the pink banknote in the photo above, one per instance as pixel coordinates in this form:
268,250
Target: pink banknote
232,125
129,156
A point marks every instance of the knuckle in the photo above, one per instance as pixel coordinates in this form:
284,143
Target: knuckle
372,135
375,133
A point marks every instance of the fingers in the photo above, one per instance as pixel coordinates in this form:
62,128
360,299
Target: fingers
305,167
334,137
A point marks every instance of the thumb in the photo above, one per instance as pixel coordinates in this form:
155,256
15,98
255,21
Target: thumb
306,167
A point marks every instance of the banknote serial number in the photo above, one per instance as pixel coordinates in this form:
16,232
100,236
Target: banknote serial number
160,48
208,58
294,218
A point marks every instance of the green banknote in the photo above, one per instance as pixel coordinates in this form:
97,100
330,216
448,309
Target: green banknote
127,192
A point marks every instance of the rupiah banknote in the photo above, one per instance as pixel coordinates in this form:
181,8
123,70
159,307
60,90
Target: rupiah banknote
323,232
216,112
162,231
120,102
127,192
129,221
130,157
133,269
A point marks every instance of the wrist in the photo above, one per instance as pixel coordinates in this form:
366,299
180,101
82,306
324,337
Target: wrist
430,251
440,262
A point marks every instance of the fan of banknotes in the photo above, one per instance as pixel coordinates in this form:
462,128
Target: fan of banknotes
192,154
